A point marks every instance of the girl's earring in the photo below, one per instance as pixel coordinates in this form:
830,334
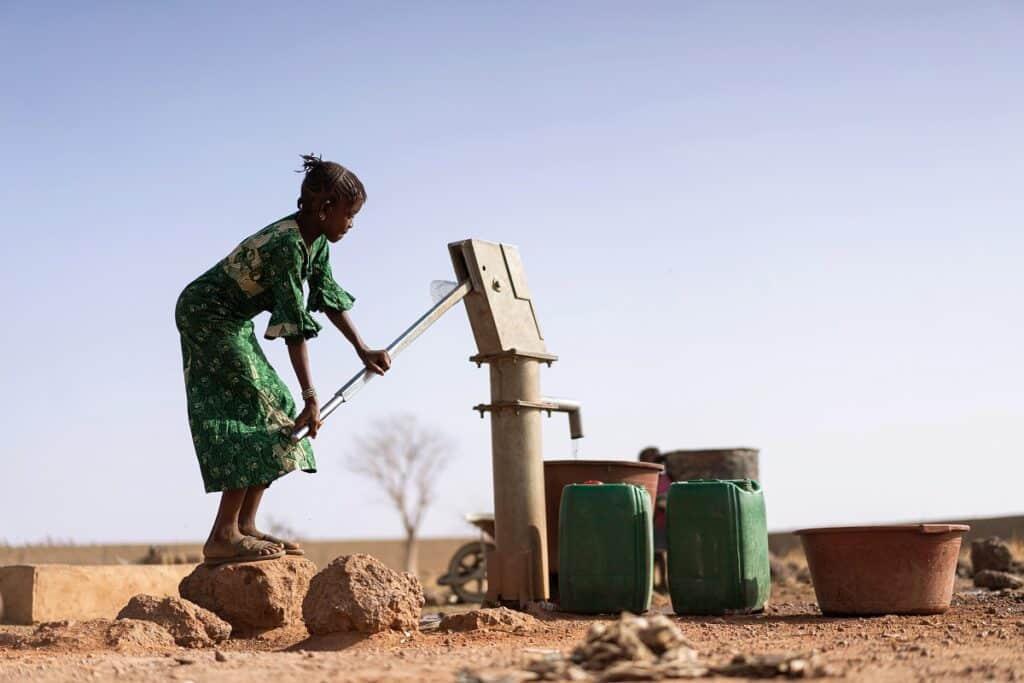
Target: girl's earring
323,216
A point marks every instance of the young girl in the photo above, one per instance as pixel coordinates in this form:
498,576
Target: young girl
239,410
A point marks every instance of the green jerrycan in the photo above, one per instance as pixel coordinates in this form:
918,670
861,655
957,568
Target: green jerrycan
717,547
605,548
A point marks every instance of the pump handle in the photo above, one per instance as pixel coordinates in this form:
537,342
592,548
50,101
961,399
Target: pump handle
361,378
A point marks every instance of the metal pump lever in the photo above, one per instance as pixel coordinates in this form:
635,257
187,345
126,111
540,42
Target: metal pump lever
352,387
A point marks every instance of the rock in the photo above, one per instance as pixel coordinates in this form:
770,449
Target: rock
252,596
775,665
358,593
988,578
126,635
71,635
545,666
781,571
437,597
11,640
497,619
138,636
660,601
467,675
190,624
991,553
963,569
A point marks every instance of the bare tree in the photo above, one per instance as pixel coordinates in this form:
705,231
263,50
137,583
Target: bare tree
282,529
404,459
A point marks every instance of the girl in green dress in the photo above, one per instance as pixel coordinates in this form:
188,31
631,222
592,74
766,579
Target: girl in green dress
240,412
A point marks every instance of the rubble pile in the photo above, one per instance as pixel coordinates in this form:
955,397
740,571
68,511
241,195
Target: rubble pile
646,649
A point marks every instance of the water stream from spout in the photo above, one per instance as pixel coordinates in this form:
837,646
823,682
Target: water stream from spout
577,448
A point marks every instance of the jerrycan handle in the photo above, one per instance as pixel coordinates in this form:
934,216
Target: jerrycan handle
745,485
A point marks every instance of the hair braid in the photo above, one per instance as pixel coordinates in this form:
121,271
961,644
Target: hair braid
326,180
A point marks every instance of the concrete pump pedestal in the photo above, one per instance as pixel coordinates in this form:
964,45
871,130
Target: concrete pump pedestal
517,571
509,341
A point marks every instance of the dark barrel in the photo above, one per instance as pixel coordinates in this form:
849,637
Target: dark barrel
714,463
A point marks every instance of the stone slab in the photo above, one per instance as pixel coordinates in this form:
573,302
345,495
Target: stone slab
53,592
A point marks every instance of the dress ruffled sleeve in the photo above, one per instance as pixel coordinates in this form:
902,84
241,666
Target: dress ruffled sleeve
289,317
324,293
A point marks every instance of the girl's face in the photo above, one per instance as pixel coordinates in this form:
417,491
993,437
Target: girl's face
338,218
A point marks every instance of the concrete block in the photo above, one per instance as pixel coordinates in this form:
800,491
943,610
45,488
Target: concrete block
53,592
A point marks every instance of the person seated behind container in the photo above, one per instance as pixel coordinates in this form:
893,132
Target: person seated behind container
653,455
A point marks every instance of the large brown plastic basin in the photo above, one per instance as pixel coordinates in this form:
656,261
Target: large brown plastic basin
560,473
906,569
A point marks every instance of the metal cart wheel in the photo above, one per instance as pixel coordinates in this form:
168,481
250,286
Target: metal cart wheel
467,571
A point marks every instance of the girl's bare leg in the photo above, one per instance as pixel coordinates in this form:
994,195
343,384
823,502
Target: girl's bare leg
247,518
226,534
247,513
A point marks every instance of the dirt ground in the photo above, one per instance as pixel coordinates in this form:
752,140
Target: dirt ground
980,638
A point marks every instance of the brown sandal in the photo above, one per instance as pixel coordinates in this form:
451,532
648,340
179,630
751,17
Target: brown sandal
248,549
289,547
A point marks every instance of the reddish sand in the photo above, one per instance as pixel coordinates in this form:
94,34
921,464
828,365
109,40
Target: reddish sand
981,637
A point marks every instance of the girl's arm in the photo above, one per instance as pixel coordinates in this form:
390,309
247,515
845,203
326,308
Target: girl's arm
310,415
376,360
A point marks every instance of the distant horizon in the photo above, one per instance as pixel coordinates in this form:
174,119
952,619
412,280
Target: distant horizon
1016,518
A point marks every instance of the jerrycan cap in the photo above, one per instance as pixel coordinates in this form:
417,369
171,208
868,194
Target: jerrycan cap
593,482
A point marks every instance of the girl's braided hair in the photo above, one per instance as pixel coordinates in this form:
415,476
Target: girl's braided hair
328,181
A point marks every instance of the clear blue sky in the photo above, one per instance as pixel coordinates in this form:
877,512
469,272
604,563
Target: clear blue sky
793,225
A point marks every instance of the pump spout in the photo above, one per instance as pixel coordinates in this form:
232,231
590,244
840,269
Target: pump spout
575,411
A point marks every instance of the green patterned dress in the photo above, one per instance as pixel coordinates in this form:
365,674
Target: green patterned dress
240,412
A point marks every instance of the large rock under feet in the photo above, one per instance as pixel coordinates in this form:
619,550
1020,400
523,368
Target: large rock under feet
252,596
190,624
358,593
